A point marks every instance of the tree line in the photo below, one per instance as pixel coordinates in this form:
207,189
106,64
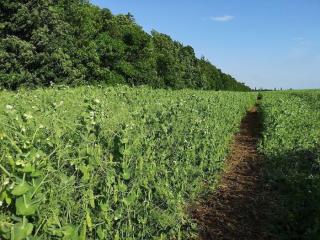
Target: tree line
45,42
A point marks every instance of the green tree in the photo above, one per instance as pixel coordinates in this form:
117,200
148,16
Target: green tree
73,42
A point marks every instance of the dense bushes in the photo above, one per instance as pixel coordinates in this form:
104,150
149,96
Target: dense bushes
73,42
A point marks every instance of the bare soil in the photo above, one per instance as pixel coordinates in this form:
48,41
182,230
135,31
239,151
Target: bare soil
239,207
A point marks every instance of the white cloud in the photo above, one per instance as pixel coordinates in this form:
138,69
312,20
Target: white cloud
298,38
225,18
302,41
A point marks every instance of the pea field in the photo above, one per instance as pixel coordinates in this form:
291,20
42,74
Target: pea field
291,146
125,163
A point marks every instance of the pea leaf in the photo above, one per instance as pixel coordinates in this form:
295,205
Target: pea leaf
28,168
21,231
91,198
21,189
101,233
89,220
24,206
85,170
130,199
118,214
36,173
122,187
117,236
5,229
5,196
83,231
70,232
126,174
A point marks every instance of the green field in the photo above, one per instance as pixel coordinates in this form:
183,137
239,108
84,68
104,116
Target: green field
124,163
110,163
291,145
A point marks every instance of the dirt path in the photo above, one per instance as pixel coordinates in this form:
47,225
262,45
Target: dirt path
238,209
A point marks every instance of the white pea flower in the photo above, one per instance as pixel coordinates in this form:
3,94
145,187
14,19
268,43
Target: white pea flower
1,203
27,116
9,107
6,182
11,186
20,163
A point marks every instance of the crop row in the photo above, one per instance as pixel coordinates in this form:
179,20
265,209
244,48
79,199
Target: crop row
291,144
110,163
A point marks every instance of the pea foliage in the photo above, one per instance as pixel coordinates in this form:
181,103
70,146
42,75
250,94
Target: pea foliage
291,144
110,163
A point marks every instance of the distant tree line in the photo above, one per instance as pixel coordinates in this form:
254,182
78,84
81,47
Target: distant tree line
72,42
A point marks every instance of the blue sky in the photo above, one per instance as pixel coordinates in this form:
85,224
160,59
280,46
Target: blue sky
264,43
